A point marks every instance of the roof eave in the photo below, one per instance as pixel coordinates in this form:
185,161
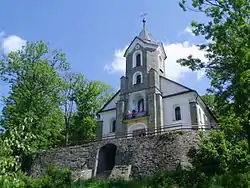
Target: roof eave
108,102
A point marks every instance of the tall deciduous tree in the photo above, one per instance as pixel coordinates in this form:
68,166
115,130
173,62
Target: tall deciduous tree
228,51
35,92
82,99
70,84
89,97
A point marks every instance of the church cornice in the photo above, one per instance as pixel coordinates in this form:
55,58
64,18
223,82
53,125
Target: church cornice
179,93
142,42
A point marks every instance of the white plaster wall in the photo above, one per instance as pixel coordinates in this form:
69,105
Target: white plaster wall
112,104
107,118
168,87
201,113
169,105
208,119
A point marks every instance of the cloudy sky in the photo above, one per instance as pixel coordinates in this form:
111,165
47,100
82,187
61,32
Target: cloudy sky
95,33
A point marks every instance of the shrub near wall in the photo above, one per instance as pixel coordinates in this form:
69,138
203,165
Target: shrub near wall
54,178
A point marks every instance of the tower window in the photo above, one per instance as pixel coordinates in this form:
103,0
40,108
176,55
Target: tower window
138,60
113,126
160,59
138,79
141,105
177,113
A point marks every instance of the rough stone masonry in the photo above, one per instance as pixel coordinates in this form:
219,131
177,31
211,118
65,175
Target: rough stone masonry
143,156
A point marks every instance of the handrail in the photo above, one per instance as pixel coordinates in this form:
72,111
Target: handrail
148,132
133,115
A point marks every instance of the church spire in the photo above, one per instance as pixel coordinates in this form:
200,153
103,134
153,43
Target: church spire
144,34
144,23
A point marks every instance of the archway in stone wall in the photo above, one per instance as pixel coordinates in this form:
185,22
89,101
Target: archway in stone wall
106,159
138,129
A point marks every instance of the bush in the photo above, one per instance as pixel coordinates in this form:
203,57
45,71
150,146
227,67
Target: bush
54,178
11,181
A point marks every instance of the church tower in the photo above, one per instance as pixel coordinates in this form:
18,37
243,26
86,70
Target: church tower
140,106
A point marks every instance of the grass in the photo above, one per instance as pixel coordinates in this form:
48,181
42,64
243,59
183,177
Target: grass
109,184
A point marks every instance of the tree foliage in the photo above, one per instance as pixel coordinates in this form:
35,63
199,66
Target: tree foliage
228,51
89,97
71,82
44,102
209,99
35,85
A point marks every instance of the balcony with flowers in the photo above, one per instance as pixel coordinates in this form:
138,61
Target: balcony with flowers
135,114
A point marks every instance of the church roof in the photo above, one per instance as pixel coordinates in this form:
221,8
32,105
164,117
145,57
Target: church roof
118,92
145,35
146,38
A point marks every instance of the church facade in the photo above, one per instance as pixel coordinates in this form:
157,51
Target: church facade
147,101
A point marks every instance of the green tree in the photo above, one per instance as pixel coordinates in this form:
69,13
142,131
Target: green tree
223,151
35,93
71,82
228,52
82,99
209,99
89,97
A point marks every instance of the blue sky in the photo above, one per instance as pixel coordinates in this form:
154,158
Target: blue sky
94,34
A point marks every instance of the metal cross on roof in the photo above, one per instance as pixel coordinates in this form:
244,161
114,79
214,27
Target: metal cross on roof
144,17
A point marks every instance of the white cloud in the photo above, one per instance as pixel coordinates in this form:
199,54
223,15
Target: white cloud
181,50
12,43
173,70
188,30
118,63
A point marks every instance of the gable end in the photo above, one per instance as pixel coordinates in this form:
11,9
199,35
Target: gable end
108,102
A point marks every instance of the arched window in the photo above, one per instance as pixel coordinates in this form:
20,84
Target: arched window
138,79
160,59
113,126
140,105
177,111
138,60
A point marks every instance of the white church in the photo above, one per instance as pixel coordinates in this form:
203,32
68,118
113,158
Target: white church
148,102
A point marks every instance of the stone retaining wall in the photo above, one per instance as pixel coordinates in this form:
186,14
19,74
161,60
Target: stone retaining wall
146,155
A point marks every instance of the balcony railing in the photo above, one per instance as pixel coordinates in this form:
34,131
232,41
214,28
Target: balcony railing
134,115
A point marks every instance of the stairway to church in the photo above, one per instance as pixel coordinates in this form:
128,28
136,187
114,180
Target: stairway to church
103,175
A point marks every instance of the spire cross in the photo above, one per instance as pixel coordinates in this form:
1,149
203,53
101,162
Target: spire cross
144,19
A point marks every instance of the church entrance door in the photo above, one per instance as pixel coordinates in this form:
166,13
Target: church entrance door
106,160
